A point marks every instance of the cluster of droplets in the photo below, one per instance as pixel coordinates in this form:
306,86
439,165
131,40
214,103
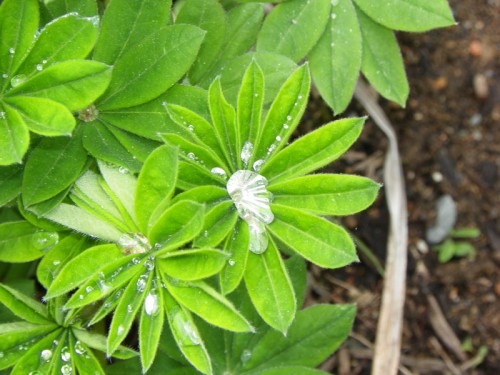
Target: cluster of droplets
43,240
133,243
248,191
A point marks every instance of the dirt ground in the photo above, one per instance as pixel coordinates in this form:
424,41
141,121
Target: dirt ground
450,144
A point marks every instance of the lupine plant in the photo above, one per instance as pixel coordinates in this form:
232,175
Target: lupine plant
156,208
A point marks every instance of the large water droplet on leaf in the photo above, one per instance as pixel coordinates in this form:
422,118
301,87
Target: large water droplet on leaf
46,355
65,354
79,349
245,356
152,304
17,80
186,332
133,243
66,370
246,152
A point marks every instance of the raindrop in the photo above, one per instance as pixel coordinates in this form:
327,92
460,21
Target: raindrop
129,308
246,152
89,289
141,283
300,96
334,2
120,330
65,354
289,118
5,75
66,370
43,240
218,171
46,355
39,67
333,16
2,115
271,148
332,44
44,61
80,297
149,265
191,128
56,262
245,356
12,51
136,260
278,138
17,80
151,304
285,126
123,170
79,349
133,243
1,354
258,165
191,156
256,94
258,237
231,262
294,22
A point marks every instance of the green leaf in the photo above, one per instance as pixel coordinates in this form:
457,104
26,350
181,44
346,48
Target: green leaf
57,257
186,334
146,120
22,242
155,185
237,247
43,116
106,279
270,288
336,58
219,221
18,25
82,267
316,239
249,108
130,303
276,68
150,326
23,306
284,114
74,83
84,360
101,143
297,270
288,29
313,151
313,336
11,178
208,15
193,175
85,8
192,265
326,194
191,97
409,15
208,194
382,63
14,136
135,20
82,221
209,305
52,166
224,121
98,342
286,370
179,224
168,53
68,37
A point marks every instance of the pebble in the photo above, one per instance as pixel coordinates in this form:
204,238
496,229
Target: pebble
475,48
481,86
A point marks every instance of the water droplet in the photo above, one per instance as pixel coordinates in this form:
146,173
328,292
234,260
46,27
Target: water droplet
333,15
46,355
66,370
12,51
79,348
56,262
65,354
186,331
123,170
191,156
332,44
43,240
246,152
258,237
334,2
231,262
120,330
294,22
285,126
5,75
151,304
35,373
39,67
1,355
129,308
44,61
17,80
256,94
245,356
136,260
271,148
278,138
141,283
258,165
80,297
218,171
89,289
133,243
2,115
191,127
289,118
55,343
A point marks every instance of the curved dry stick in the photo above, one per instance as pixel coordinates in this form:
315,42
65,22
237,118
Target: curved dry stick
389,328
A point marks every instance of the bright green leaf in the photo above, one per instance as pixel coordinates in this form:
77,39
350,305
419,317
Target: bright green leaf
11,178
98,342
237,247
14,136
84,360
23,306
219,221
85,8
193,264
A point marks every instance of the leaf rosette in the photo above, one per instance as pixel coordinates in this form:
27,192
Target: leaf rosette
258,193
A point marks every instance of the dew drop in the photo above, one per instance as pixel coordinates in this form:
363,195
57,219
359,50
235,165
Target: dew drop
258,237
80,297
43,240
257,166
2,115
151,304
129,308
46,355
5,75
289,118
231,262
44,61
66,370
123,170
191,156
191,128
1,355
187,333
56,262
89,289
246,152
133,243
17,80
285,126
65,354
278,138
333,15
12,51
120,330
294,22
141,283
334,2
218,171
79,349
39,67
245,356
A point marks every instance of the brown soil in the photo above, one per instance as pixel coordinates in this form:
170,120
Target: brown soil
450,144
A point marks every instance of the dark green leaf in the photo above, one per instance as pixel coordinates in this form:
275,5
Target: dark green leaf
168,53
126,23
314,150
336,58
237,247
43,116
326,194
294,27
74,83
23,242
11,178
409,15
297,270
270,288
52,166
313,336
208,15
316,239
382,63
23,306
